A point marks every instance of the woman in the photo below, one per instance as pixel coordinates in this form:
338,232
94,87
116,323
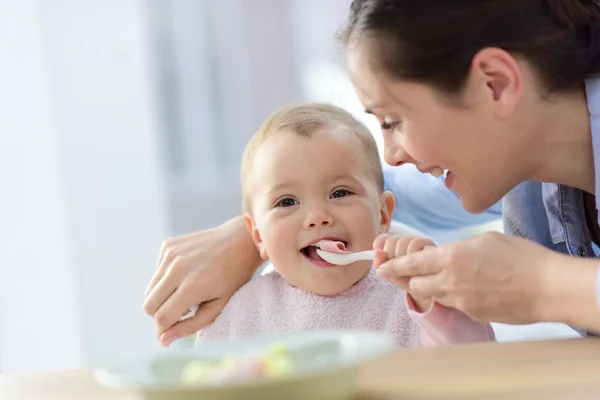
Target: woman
502,95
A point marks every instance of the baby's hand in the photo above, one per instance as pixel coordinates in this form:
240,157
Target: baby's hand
388,247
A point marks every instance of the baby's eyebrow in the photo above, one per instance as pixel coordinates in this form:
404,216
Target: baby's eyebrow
280,186
342,176
352,177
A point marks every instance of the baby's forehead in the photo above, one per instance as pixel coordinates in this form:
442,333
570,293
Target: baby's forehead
325,149
294,168
305,145
325,139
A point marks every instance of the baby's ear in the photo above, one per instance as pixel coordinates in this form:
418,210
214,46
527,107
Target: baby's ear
251,225
388,203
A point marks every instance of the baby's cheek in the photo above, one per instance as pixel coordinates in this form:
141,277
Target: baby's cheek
278,236
367,227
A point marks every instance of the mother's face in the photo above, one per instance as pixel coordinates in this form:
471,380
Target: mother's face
420,127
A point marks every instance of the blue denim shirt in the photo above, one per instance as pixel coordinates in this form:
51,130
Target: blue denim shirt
552,214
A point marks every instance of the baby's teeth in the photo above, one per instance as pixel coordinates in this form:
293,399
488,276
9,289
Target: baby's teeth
437,172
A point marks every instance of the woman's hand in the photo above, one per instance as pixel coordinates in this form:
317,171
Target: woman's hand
388,247
490,277
204,268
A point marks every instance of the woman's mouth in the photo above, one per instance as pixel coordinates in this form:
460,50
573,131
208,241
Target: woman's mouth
437,172
433,171
449,181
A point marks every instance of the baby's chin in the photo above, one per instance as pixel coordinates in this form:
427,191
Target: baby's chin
336,283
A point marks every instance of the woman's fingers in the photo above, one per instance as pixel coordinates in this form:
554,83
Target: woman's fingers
196,268
175,306
427,287
206,314
160,271
488,277
427,262
165,287
169,250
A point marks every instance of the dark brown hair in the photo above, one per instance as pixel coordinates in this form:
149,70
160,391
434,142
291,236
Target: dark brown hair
434,41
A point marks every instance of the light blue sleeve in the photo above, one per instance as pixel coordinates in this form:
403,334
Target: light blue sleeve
424,202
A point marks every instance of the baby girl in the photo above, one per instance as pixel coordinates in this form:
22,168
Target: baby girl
312,178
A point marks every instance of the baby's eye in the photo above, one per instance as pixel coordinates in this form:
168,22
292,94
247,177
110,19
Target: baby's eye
340,193
286,202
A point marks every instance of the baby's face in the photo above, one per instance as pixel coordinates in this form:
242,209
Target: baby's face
307,189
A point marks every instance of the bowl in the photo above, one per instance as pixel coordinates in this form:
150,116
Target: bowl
326,364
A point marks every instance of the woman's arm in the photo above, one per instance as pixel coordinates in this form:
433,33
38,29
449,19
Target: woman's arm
570,292
205,268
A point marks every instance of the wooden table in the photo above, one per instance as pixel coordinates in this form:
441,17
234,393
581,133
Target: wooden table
556,369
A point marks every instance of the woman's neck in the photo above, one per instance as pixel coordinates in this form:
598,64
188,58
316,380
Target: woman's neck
563,152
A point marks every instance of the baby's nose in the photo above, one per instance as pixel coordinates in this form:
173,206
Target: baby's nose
318,218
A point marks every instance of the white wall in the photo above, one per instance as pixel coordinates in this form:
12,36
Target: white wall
254,69
90,196
38,312
80,148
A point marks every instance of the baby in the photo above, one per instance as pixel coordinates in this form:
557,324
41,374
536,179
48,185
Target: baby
311,176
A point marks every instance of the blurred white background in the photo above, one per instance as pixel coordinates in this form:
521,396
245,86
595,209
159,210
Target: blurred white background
122,122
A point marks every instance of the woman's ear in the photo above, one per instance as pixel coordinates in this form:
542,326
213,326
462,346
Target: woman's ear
252,228
500,74
388,203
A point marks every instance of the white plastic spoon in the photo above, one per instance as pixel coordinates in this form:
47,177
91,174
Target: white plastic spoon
348,258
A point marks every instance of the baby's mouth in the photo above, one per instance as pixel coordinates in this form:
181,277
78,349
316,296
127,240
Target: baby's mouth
333,246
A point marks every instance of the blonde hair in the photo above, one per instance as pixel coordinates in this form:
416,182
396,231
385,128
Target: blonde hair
305,120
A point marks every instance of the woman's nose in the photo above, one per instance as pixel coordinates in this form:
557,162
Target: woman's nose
394,152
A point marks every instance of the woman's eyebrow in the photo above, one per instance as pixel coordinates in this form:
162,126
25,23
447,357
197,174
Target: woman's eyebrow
370,107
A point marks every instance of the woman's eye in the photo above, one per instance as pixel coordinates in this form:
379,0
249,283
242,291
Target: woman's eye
286,202
340,193
386,126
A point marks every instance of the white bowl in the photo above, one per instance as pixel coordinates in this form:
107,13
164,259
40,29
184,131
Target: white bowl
325,362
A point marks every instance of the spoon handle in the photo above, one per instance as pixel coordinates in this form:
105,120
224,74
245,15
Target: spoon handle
368,255
347,258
